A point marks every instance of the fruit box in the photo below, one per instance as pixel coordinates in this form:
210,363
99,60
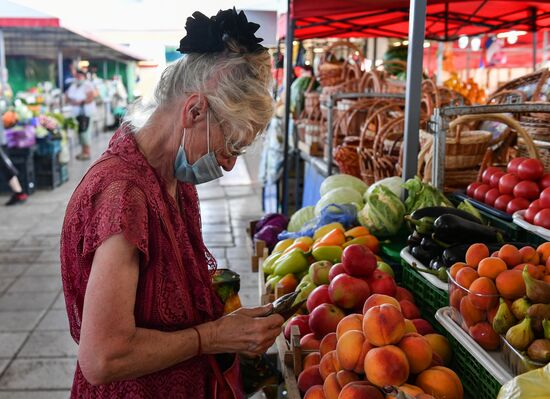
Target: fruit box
290,360
517,362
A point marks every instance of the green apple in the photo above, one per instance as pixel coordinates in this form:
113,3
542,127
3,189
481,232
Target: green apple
318,272
384,267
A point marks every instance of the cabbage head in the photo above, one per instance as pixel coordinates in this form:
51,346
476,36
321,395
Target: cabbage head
383,213
343,180
395,184
342,195
300,218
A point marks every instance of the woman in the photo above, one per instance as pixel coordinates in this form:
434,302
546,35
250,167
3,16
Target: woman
136,273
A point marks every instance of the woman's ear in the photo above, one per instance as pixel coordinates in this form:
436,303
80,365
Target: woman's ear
193,110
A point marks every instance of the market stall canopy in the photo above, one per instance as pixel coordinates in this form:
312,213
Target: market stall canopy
28,32
445,19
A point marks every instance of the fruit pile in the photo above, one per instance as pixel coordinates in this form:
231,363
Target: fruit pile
506,293
516,189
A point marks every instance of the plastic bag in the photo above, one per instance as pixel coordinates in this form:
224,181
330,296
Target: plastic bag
532,385
346,214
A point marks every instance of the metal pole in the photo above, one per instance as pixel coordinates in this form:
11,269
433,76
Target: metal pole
60,80
288,78
534,30
374,52
468,53
544,47
3,68
414,83
438,162
104,69
440,51
330,134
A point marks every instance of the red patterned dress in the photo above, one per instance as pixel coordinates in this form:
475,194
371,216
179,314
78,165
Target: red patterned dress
122,193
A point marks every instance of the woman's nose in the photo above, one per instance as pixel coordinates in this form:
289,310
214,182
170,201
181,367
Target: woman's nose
228,163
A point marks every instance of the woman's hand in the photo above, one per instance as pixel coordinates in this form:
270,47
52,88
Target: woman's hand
246,331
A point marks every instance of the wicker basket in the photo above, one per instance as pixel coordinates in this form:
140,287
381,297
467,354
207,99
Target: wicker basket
531,85
465,149
347,158
311,100
330,71
543,148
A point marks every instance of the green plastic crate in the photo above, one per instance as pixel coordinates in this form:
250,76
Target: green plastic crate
534,239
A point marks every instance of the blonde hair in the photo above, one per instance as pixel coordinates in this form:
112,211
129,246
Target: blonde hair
236,84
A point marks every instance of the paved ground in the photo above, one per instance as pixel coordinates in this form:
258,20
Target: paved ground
37,354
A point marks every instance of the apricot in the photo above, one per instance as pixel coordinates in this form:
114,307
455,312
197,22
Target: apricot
336,381
529,255
424,396
510,254
380,299
410,327
510,284
533,270
308,378
418,351
475,254
544,251
403,293
351,350
440,382
455,296
441,346
412,390
485,336
483,293
546,279
466,276
311,359
383,325
360,390
315,392
455,268
329,364
470,314
310,342
387,365
491,267
328,343
350,322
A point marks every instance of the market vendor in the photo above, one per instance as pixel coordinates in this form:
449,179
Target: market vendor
136,272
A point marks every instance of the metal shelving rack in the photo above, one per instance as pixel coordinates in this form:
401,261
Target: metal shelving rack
440,123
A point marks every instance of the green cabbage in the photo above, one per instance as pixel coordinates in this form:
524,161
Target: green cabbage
342,195
395,184
422,195
339,181
300,217
383,213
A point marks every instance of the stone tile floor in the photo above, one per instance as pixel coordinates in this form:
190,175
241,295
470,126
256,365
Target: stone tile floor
37,353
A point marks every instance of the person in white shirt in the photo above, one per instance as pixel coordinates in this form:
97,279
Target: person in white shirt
80,95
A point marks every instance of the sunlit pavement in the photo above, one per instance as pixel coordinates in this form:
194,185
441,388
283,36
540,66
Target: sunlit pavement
37,353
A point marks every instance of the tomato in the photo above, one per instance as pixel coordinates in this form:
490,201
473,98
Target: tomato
530,213
507,183
542,218
513,165
492,196
502,202
527,189
471,188
479,193
495,178
545,181
545,198
487,173
530,169
536,204
517,204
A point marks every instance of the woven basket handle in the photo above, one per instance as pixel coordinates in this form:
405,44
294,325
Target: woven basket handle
340,43
543,78
429,87
506,93
370,80
381,136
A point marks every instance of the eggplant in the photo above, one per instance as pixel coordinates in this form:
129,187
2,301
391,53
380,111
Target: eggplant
437,211
414,239
455,229
430,245
423,225
421,255
436,263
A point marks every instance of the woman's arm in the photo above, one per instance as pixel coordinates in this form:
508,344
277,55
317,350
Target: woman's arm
112,347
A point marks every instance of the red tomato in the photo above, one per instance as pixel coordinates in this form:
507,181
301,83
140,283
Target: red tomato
479,193
514,164
542,218
536,204
530,213
545,181
545,198
517,204
527,189
471,188
495,178
507,183
502,202
492,196
487,173
530,169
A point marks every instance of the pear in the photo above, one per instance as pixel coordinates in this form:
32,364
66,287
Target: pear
546,327
504,319
538,312
520,307
539,350
521,335
537,291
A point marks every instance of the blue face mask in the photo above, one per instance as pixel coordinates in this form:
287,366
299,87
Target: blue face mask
205,169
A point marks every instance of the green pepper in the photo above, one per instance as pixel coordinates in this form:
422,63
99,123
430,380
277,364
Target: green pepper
332,253
268,263
294,262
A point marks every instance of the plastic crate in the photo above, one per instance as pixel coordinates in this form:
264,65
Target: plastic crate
47,169
22,159
46,147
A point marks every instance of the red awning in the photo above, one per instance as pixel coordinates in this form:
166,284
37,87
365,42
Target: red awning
445,19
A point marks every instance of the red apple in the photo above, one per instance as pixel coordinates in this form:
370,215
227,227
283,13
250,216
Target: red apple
324,319
358,260
423,327
382,283
302,321
348,292
310,342
318,296
403,293
409,310
335,270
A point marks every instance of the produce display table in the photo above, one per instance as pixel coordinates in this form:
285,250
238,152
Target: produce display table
315,171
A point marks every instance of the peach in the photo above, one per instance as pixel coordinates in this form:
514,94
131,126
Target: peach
529,255
328,343
418,351
351,350
360,390
403,293
544,252
475,253
510,254
311,359
387,365
422,396
441,346
422,326
437,360
412,390
409,309
410,327
308,378
455,296
491,267
383,325
456,267
466,276
352,321
440,382
485,336
510,284
310,342
470,314
315,392
483,293
329,364
336,381
533,270
379,299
